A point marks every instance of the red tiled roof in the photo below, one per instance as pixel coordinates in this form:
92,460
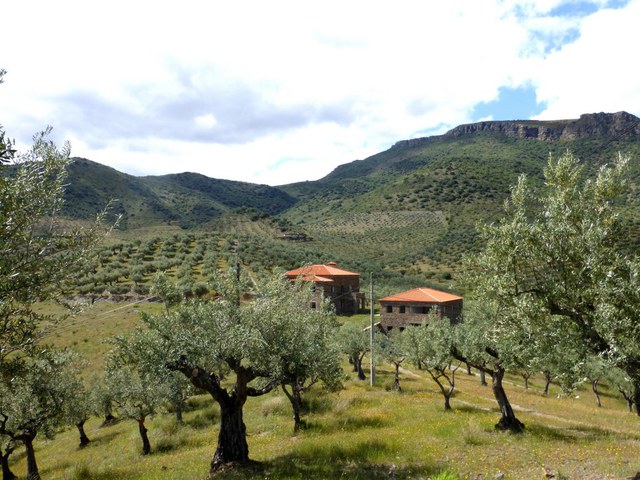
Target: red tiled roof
311,278
422,295
320,271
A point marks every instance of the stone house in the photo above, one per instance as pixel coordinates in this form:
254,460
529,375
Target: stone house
413,306
342,287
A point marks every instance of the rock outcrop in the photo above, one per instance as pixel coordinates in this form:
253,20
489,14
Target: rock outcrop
622,125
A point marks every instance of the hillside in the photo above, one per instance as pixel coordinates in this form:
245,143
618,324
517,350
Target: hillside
409,212
416,205
186,199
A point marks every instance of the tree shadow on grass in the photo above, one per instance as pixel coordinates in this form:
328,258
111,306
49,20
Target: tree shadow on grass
355,461
474,409
347,423
570,435
102,438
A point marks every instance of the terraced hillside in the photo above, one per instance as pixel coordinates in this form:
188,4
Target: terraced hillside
408,213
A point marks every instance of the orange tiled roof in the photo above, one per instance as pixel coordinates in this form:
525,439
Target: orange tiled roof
311,278
317,271
422,295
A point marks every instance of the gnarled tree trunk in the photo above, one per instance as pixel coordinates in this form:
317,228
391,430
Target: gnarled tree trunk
438,373
358,366
628,397
179,405
84,440
146,445
232,439
7,474
508,421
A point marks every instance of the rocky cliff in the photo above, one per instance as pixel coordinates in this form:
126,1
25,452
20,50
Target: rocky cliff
620,125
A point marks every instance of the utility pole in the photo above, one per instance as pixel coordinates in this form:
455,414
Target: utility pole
372,376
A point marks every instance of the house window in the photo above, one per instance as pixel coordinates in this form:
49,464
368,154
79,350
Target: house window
389,309
403,309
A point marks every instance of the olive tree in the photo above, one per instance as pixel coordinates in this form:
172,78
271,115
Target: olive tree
137,395
39,256
241,344
34,392
389,346
476,343
555,265
355,342
305,345
431,345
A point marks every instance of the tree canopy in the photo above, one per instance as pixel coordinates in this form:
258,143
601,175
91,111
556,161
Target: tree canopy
251,338
556,270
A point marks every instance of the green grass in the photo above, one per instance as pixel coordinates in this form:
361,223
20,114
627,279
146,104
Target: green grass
368,433
360,432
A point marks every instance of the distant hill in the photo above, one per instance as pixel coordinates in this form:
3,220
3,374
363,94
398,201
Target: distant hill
185,199
411,209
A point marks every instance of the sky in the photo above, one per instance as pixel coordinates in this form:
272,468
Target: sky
275,92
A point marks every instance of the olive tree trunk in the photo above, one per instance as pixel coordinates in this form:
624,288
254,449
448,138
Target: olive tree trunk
146,445
7,474
358,366
547,381
483,377
232,438
439,373
32,465
396,380
628,397
84,439
295,398
508,420
594,387
179,405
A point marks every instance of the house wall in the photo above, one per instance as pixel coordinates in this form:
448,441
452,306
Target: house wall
343,292
415,313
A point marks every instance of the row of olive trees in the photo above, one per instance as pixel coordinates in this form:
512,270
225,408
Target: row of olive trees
554,291
271,341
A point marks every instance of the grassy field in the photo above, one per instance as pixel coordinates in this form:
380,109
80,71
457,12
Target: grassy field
360,432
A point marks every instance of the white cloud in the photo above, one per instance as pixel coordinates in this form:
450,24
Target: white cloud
283,91
206,121
597,72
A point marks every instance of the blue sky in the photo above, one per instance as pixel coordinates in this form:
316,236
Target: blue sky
283,91
510,104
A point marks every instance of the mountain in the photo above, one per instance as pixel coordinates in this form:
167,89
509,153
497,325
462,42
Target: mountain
415,206
411,209
185,199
